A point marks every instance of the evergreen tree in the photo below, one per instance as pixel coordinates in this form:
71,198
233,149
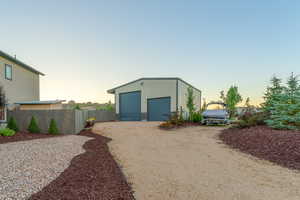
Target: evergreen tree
33,126
12,124
272,94
284,106
53,127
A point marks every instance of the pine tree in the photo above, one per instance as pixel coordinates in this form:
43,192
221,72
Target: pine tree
33,126
284,109
52,127
12,124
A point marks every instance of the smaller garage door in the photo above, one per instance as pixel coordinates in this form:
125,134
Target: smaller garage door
159,109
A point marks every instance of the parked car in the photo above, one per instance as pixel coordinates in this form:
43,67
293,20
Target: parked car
217,115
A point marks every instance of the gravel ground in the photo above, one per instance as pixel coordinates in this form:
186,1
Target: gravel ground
28,166
192,163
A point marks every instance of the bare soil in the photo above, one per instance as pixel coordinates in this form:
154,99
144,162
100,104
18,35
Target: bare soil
193,163
278,146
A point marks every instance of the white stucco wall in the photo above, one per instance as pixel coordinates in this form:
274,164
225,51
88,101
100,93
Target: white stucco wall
182,96
150,89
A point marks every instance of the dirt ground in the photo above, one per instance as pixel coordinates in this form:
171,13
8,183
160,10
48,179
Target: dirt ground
192,163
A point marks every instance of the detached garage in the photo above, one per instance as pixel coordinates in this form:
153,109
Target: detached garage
152,99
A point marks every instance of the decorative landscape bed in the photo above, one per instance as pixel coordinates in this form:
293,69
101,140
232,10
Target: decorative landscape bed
278,146
92,175
23,136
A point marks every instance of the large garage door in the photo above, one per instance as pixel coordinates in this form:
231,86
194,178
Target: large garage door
130,106
159,109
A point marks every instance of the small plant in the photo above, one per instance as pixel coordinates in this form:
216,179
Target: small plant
90,122
12,124
197,117
7,132
77,107
53,127
33,126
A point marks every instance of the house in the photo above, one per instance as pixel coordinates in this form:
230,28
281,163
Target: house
19,81
152,99
41,105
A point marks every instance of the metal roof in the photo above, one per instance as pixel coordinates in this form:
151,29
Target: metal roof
112,91
40,102
25,66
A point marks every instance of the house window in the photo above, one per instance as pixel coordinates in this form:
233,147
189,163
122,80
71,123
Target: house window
8,72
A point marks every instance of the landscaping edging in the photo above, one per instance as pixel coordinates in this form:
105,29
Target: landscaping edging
278,146
91,175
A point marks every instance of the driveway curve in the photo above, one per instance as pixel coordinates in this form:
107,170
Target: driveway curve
192,163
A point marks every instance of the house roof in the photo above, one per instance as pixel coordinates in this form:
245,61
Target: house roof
25,66
40,102
112,91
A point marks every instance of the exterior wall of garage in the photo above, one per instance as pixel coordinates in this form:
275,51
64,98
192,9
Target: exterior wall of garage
149,89
182,96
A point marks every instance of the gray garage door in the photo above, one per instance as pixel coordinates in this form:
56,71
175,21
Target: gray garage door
159,109
130,106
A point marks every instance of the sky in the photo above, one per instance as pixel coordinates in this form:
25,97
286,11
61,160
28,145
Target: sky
87,47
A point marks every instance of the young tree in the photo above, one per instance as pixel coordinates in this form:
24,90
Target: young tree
190,102
33,126
231,99
272,95
53,127
284,107
204,106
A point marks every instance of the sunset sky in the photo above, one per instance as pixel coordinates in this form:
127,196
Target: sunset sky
88,47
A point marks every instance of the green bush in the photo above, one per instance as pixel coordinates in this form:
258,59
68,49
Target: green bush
12,124
33,126
7,132
249,119
197,117
52,127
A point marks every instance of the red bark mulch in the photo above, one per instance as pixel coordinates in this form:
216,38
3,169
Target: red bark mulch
22,136
90,176
278,146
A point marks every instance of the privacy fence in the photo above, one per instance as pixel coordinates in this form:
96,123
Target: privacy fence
68,121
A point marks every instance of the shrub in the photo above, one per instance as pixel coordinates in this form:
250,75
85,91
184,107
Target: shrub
197,117
166,125
249,119
12,124
7,132
52,127
33,126
176,119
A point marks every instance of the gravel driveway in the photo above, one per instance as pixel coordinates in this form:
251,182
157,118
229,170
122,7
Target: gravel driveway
26,167
191,163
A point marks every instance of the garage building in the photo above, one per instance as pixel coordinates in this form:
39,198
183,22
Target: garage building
152,99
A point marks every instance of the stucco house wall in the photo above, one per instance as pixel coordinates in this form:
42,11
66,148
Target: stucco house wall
24,85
